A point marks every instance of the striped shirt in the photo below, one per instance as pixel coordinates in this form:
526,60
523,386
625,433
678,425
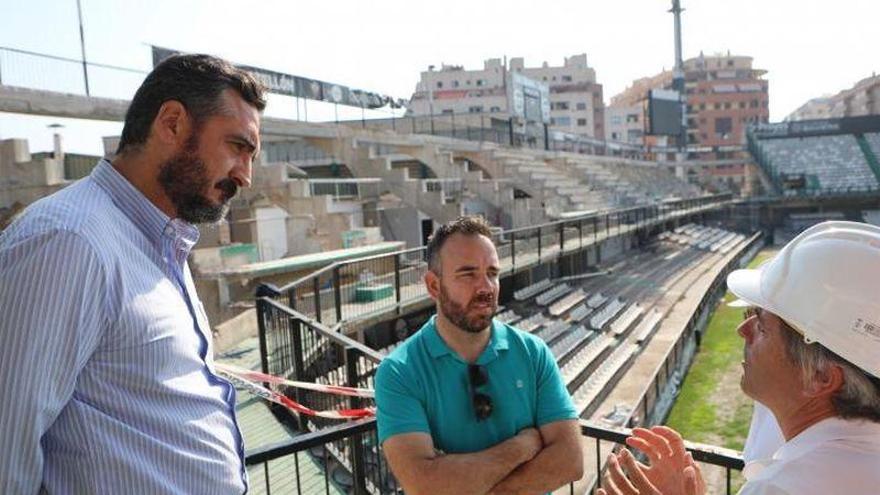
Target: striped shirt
107,382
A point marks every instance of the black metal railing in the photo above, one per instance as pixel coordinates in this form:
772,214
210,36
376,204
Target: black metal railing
364,288
296,347
371,474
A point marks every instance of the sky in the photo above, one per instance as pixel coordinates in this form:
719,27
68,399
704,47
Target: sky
808,47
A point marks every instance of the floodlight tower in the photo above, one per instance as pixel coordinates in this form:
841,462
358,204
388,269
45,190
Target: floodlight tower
678,77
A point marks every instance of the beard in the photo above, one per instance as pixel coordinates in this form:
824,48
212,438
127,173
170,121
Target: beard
184,178
461,316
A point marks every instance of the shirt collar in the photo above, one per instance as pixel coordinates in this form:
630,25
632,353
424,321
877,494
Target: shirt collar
152,221
828,429
437,346
824,431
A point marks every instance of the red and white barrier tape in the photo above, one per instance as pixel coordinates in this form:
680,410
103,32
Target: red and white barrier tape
272,396
256,376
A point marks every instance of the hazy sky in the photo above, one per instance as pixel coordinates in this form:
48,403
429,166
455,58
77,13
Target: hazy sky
808,47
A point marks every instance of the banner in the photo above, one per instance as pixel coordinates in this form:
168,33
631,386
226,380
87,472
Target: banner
302,87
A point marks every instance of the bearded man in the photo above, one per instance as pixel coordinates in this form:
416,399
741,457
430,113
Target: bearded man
469,404
108,383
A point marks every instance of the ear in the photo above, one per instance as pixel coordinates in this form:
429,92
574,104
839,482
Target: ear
825,382
432,283
172,124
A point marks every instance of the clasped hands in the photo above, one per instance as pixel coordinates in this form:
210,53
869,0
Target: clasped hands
672,470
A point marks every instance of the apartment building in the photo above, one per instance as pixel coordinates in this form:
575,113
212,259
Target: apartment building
724,95
576,103
861,99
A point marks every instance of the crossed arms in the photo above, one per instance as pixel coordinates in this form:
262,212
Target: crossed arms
532,462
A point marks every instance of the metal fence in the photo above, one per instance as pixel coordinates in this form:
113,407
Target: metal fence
499,128
372,474
299,348
33,70
367,287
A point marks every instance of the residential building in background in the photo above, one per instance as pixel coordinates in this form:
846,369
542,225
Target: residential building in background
724,95
576,104
815,108
861,99
626,115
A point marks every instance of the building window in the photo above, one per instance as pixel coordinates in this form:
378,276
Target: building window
455,83
753,104
563,121
476,109
631,118
479,82
727,105
717,106
495,109
566,78
723,127
439,84
559,105
702,106
742,104
616,120
447,110
581,106
582,122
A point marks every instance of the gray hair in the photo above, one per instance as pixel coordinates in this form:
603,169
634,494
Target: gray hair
858,398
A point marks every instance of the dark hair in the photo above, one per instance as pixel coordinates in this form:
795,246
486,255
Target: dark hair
467,225
858,398
197,82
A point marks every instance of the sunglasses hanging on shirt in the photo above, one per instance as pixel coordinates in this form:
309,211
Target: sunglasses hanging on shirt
478,376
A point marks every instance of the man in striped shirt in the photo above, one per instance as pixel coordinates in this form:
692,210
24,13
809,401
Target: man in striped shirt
107,383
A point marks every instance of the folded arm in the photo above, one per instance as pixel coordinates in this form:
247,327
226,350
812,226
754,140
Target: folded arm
420,469
559,462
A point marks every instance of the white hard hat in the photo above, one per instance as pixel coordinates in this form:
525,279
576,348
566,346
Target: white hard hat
825,283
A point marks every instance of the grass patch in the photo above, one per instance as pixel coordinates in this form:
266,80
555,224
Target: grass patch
695,413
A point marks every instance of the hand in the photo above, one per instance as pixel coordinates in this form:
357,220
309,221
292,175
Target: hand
672,470
615,482
531,442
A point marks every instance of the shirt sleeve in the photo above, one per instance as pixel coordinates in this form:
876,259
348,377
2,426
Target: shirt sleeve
554,401
398,408
52,289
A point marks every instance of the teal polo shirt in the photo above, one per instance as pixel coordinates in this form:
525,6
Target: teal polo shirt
422,386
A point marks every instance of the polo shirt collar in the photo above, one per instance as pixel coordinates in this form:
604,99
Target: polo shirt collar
437,346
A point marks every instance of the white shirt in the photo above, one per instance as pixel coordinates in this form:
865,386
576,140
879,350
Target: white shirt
107,383
834,456
765,436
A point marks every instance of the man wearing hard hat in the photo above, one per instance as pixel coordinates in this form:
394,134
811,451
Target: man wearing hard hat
812,357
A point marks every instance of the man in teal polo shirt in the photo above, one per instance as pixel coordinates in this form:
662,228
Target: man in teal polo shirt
469,404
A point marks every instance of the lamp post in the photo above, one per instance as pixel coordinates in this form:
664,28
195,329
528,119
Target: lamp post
82,44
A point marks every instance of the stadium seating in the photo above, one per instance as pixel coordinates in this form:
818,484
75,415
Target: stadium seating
834,164
532,290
